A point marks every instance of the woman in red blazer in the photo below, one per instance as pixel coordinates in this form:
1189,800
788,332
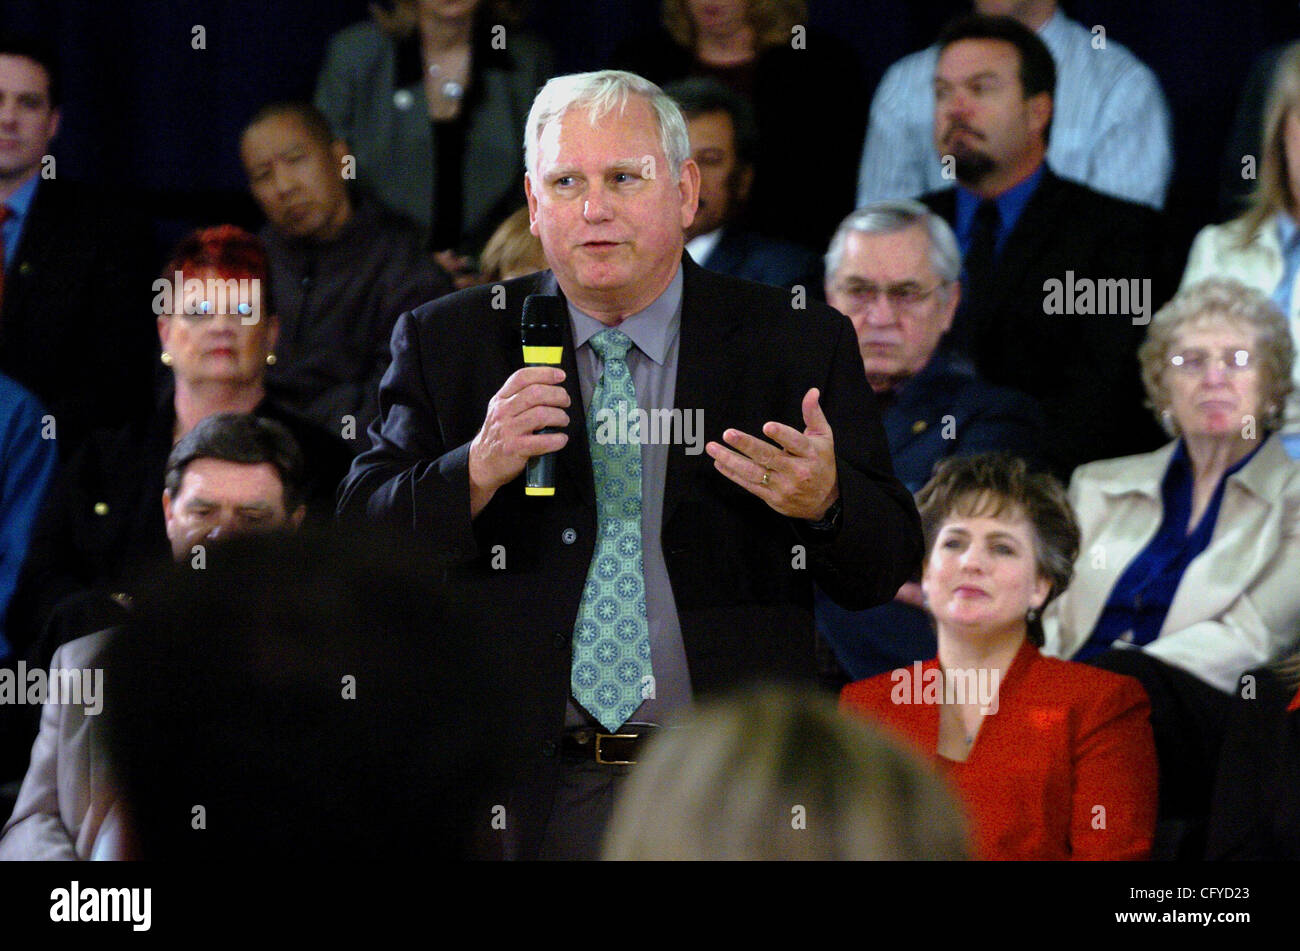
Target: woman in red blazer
1053,759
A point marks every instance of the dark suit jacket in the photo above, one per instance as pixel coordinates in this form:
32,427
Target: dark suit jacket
76,328
1082,369
945,410
337,302
754,257
744,597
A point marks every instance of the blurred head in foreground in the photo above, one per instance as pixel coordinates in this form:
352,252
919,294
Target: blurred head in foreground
781,774
300,697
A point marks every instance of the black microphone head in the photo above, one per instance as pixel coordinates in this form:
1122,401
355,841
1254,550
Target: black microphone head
543,322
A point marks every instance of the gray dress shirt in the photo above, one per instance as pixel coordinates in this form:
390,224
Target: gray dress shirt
653,363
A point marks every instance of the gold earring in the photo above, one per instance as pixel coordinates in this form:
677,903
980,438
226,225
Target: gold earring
166,358
270,359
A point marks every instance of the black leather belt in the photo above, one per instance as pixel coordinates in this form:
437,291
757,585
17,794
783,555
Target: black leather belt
609,749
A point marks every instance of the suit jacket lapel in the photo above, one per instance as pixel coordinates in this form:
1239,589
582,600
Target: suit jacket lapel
709,357
917,402
1037,223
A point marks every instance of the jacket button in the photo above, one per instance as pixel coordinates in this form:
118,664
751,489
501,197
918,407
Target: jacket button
550,748
101,508
561,640
569,536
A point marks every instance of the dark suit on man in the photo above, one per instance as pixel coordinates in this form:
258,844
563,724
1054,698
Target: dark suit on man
742,587
76,327
945,410
755,257
1082,369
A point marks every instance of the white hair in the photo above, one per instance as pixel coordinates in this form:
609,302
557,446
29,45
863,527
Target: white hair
890,217
604,92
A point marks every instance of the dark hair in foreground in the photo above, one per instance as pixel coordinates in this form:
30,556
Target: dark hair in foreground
319,698
1037,68
997,485
777,773
39,52
248,440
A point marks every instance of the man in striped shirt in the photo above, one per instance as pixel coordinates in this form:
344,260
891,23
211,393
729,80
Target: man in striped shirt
1110,125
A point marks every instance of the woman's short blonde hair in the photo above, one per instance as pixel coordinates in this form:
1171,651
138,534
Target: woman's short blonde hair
1221,301
772,21
512,251
777,773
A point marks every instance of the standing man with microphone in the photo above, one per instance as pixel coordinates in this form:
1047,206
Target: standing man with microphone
654,574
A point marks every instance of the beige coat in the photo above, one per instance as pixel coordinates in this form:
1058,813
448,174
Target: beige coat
65,809
1238,604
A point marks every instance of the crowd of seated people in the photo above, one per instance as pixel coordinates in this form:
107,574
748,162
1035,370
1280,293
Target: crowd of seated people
1010,283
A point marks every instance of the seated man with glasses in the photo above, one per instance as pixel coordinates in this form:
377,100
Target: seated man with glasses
1186,577
892,268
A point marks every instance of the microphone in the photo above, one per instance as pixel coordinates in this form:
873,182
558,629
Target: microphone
542,331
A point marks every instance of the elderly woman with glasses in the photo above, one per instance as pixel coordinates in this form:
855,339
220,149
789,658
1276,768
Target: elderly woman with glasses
1187,572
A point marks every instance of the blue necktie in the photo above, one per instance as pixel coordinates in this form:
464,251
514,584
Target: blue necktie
611,640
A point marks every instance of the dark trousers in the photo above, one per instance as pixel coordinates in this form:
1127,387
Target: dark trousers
584,802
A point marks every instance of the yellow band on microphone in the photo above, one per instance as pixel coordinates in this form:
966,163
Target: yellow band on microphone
539,490
552,355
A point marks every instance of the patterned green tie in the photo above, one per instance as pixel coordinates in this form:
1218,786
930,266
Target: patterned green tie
611,640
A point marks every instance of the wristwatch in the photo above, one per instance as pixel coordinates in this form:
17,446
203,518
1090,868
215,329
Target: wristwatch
831,520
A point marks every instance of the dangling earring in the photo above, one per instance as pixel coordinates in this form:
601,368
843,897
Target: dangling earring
1031,615
270,359
166,358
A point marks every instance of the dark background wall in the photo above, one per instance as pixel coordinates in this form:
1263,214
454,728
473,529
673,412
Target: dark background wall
158,120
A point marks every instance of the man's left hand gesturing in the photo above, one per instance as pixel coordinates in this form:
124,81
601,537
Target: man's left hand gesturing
797,477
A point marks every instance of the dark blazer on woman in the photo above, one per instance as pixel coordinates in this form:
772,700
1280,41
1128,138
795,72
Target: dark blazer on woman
384,118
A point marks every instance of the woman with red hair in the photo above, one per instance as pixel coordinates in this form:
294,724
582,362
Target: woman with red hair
103,520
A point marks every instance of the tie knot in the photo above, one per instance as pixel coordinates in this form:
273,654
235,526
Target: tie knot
987,213
611,344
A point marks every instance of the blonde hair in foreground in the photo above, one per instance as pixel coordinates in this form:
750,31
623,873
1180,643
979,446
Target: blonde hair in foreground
782,774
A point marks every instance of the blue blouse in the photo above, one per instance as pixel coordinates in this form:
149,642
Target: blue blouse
1138,603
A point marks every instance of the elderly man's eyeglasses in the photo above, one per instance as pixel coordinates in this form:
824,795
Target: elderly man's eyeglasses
900,296
1196,362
